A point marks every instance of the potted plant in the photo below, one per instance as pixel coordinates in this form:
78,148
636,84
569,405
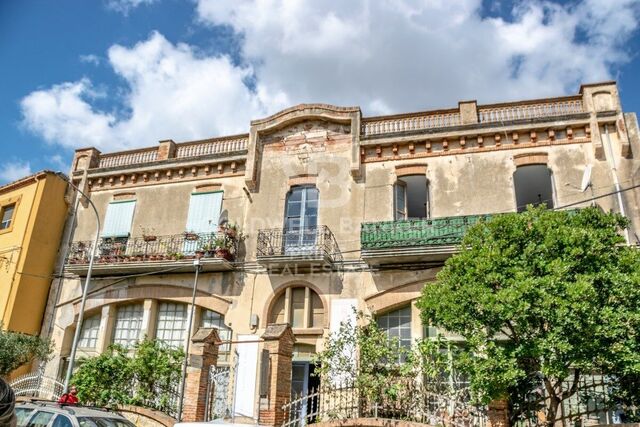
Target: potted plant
224,248
208,248
148,234
190,235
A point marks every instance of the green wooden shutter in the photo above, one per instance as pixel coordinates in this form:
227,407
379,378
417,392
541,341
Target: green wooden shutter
204,212
117,222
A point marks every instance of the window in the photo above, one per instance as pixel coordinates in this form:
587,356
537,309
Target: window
301,307
62,421
203,217
6,216
40,419
172,324
126,331
204,212
22,414
301,220
89,333
212,319
411,197
117,222
397,325
534,186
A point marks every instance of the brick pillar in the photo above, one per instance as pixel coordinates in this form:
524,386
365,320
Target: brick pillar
278,343
166,150
203,354
86,158
498,414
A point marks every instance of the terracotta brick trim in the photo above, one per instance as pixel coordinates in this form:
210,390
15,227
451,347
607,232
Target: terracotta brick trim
413,169
124,196
207,187
531,159
302,179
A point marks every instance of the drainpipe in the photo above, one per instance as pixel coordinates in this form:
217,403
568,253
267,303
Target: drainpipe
616,183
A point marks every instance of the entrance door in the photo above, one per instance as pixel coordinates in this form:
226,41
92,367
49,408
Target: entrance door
300,384
301,221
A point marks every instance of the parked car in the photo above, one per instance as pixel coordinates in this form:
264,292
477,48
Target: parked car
39,413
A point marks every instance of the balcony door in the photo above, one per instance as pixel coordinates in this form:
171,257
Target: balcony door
301,220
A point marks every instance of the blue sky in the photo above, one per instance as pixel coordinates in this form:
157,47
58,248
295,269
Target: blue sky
120,74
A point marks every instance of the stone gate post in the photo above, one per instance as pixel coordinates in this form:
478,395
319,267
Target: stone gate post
278,344
203,354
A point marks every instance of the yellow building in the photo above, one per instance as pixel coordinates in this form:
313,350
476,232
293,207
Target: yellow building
32,216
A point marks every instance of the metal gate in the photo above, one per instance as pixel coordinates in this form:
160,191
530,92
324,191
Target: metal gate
221,392
37,385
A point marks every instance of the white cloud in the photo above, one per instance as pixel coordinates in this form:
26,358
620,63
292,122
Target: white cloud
126,6
386,56
14,170
404,55
173,93
90,59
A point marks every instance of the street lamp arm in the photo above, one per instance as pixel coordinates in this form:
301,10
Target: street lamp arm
76,336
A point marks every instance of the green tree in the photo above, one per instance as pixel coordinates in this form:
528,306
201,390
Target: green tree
106,379
156,370
541,297
146,376
17,349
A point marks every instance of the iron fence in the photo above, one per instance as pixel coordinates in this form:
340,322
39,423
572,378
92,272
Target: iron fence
417,232
37,385
310,242
417,403
591,404
156,248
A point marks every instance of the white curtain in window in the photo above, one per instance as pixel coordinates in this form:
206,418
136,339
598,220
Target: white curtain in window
128,325
89,333
117,222
172,323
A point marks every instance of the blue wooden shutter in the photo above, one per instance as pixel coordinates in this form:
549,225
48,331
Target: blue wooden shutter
117,222
204,212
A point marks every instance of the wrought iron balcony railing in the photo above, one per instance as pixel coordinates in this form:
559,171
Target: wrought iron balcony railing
317,242
416,232
156,248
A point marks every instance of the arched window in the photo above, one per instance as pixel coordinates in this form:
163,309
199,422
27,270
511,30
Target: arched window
533,185
301,307
411,197
397,325
213,319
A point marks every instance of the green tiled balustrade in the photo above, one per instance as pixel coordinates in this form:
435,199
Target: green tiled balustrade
416,232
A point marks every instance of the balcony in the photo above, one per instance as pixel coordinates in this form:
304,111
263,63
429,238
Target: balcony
300,248
124,255
414,240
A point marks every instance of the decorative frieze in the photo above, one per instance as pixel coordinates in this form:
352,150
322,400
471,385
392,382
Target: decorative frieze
479,143
160,176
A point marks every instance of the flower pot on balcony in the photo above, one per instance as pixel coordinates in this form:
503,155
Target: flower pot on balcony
200,253
149,238
224,254
190,236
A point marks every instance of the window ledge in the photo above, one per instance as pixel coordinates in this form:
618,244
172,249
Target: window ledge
308,331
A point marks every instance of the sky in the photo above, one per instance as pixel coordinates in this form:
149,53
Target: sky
122,74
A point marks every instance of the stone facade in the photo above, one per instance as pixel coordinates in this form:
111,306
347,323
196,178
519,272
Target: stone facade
466,157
